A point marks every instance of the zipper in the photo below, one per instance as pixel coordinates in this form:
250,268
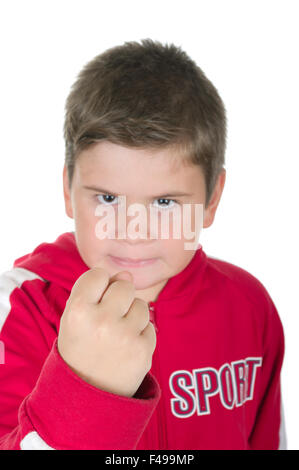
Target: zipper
161,421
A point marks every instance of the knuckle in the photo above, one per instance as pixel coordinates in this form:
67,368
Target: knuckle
100,272
141,302
126,339
141,305
102,330
103,318
75,304
152,335
123,284
80,280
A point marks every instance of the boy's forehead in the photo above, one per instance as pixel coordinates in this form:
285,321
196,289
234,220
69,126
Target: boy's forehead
116,170
114,160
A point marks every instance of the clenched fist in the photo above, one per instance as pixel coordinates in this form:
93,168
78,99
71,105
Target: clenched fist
105,334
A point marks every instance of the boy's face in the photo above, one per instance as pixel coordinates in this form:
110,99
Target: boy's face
157,179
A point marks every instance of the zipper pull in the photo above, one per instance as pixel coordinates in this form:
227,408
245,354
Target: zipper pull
152,312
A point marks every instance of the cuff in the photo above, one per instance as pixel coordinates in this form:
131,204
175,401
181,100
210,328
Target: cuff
68,413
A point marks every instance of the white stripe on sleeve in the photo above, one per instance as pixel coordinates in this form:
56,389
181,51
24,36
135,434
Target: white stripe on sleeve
32,441
9,280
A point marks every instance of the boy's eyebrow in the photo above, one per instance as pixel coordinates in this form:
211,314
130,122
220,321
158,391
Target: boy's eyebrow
106,191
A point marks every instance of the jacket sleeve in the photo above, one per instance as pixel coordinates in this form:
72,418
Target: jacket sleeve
269,429
43,403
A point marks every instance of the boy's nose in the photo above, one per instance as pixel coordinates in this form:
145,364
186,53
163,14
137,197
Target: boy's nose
141,231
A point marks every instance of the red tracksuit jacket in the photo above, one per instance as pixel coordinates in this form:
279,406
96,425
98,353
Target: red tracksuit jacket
215,377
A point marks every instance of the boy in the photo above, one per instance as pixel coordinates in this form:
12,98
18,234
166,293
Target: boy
122,342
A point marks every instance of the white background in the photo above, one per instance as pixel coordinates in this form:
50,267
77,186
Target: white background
249,49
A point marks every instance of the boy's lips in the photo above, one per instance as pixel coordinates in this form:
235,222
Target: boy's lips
132,263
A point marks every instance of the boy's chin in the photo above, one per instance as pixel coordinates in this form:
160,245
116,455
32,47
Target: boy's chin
147,287
143,281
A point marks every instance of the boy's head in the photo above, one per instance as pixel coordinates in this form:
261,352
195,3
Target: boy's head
142,121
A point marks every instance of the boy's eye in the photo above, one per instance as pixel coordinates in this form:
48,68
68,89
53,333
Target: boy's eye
107,199
165,203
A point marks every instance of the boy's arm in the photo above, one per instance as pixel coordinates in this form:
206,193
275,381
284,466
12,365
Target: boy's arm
269,432
43,403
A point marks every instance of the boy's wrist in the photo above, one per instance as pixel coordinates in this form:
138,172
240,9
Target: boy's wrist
69,413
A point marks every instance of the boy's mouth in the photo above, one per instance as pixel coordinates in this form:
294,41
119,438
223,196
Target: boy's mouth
132,263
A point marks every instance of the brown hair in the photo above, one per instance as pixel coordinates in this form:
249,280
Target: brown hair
147,95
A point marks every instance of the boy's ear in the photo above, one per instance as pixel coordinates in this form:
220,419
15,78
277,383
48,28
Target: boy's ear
67,194
210,211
